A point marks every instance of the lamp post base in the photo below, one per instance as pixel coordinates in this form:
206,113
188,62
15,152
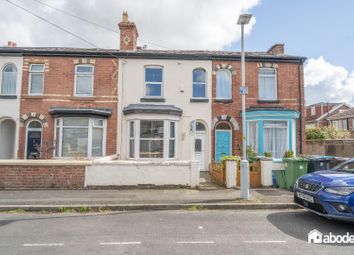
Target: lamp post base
245,179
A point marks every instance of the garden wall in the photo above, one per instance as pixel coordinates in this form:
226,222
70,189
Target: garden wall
338,148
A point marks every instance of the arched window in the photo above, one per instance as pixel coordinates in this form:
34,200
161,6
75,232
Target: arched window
8,82
199,85
200,127
223,126
223,84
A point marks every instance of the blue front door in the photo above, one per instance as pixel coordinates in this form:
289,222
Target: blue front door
222,144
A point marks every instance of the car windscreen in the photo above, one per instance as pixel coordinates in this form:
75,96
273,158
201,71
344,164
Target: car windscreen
346,166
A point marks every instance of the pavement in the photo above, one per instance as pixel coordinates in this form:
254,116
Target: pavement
144,199
268,232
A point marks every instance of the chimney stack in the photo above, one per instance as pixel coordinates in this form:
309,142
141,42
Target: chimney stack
11,44
276,49
128,33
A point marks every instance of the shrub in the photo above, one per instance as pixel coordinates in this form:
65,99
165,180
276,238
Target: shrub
231,158
289,154
268,154
326,133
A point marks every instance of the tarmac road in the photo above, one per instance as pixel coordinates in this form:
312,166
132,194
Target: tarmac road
169,232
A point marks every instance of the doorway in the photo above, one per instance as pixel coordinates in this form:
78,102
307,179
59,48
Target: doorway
200,146
33,140
223,141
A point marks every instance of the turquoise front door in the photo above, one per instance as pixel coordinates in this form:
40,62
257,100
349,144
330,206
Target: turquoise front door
222,144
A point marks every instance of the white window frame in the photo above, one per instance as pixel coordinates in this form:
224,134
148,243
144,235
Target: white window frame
313,110
1,79
90,127
275,75
92,74
216,91
200,83
287,132
30,72
352,124
166,138
160,83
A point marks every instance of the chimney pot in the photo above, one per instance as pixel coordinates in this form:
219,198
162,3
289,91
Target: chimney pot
11,44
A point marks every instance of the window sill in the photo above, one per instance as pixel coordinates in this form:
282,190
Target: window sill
83,98
8,97
199,100
224,101
151,99
268,101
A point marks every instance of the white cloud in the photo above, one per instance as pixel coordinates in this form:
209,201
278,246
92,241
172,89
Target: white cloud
328,83
177,24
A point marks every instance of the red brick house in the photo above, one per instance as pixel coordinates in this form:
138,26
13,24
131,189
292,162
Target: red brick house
343,119
317,114
68,100
274,103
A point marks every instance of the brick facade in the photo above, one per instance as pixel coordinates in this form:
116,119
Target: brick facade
288,96
323,110
58,91
42,177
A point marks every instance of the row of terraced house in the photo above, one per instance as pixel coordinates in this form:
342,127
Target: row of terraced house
143,104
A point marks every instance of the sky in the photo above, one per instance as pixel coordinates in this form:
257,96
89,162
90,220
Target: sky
320,30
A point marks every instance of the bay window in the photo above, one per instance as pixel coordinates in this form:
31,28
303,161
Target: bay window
152,139
253,135
275,137
80,137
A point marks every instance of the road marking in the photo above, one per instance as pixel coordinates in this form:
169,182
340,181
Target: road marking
119,243
270,241
42,244
195,242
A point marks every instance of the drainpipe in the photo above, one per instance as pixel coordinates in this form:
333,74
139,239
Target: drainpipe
300,102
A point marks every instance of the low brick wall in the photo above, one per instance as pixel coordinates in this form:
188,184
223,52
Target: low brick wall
42,174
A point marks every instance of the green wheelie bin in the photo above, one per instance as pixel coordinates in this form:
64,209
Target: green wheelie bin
294,168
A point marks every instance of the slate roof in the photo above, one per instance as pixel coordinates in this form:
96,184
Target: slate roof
343,114
152,108
64,111
146,53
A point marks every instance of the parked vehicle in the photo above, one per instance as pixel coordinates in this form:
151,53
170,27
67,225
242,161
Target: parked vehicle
329,193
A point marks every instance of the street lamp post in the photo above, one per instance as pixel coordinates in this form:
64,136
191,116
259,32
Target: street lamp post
243,20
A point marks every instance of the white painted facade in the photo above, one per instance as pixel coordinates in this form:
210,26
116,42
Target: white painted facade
10,110
177,90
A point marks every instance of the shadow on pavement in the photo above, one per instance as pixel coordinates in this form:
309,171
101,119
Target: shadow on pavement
299,223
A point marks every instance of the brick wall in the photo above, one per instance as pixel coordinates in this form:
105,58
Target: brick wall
338,148
59,90
287,89
30,176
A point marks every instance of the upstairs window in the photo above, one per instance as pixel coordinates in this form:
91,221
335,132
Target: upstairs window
267,82
36,79
223,84
153,81
199,85
8,80
313,110
84,80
